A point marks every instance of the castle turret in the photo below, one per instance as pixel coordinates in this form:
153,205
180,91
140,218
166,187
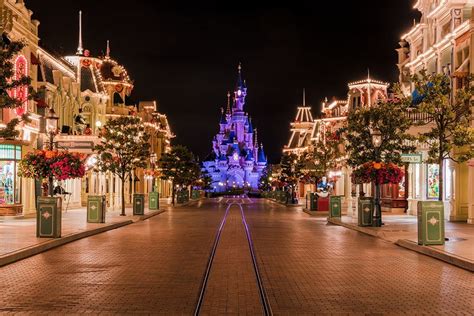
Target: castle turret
240,91
223,122
261,160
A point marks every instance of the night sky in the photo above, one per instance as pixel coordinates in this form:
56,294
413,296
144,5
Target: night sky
185,55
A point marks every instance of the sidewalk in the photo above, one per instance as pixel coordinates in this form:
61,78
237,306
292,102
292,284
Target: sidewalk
18,235
402,230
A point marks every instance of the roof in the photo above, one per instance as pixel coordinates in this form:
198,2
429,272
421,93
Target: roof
249,156
110,70
261,155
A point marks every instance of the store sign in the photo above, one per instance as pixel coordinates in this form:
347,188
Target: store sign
411,158
76,144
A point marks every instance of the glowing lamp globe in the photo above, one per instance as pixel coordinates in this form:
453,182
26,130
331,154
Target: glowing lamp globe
52,122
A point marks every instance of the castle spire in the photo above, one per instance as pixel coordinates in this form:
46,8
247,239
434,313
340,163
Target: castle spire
80,49
256,138
228,112
240,83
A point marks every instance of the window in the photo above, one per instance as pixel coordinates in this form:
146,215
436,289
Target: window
432,181
10,182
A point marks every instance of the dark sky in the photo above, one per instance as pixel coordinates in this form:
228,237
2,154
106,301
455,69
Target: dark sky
185,55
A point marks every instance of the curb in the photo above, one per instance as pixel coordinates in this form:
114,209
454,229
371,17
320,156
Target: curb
411,245
363,230
438,254
315,213
187,203
284,204
149,215
47,245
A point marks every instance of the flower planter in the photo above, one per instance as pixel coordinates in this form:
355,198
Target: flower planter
48,217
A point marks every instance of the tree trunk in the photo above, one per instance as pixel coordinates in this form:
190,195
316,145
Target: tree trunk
441,178
123,195
173,193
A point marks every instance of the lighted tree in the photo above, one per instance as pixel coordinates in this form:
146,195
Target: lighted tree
291,170
205,181
448,116
180,167
325,155
123,148
11,81
265,183
390,119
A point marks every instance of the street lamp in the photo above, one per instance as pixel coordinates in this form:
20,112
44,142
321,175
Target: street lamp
153,159
51,131
376,138
377,142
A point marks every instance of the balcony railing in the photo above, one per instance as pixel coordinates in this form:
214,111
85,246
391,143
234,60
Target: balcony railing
418,117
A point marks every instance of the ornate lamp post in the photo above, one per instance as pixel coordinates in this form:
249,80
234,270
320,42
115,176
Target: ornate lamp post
377,142
153,159
51,131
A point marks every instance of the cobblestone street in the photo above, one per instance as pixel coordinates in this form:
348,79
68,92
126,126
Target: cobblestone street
307,266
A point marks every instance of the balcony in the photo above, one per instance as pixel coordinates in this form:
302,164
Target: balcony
418,118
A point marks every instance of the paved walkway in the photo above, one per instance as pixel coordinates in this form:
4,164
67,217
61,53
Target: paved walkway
232,286
396,227
307,267
20,233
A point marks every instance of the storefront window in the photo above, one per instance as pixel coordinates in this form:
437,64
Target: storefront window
433,181
10,183
401,188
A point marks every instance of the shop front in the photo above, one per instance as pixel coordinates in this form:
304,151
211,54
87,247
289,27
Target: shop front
10,182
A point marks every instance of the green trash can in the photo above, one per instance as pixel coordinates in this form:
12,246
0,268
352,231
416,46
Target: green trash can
138,204
430,223
180,197
96,207
196,194
281,197
335,206
365,211
311,201
48,217
153,200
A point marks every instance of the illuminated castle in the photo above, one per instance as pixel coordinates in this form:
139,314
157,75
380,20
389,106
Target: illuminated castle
236,160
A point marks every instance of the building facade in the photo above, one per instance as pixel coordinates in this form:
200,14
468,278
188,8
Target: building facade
440,43
236,159
84,91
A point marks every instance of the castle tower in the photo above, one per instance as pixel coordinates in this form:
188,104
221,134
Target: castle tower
234,146
240,91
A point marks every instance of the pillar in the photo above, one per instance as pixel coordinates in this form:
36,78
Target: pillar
470,188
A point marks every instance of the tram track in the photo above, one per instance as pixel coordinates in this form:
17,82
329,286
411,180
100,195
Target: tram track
266,308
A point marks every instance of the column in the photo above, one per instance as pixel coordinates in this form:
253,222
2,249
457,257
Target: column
470,188
348,192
